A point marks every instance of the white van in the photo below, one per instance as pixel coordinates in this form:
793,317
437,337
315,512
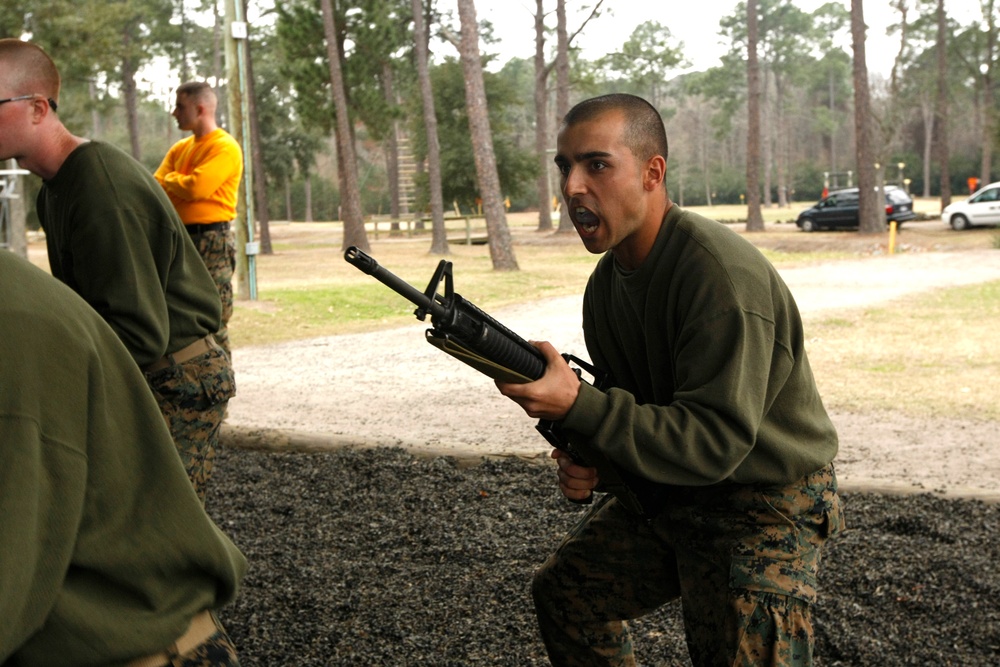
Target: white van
982,208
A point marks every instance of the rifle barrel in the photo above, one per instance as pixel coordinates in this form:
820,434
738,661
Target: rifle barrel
367,264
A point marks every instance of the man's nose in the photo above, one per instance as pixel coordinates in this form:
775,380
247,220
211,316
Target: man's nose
574,182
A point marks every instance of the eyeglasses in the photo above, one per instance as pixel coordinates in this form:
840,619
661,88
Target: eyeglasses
52,102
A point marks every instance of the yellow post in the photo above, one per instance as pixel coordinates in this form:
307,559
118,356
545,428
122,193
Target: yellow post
892,237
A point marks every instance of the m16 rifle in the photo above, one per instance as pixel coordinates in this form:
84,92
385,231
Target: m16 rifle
464,331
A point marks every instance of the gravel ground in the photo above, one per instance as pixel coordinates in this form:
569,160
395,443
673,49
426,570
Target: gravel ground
381,557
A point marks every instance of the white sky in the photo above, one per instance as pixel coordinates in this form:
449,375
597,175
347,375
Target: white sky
698,29
693,22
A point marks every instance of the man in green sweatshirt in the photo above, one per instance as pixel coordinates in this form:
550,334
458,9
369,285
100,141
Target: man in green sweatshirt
114,237
712,409
106,555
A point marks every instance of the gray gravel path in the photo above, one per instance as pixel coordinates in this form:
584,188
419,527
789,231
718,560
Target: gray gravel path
390,387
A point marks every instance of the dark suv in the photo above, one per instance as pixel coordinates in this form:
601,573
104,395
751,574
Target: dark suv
839,209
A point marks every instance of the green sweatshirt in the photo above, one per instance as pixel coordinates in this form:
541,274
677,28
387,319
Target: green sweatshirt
114,237
105,551
711,380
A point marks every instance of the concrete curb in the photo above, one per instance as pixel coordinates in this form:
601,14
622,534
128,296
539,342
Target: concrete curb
275,440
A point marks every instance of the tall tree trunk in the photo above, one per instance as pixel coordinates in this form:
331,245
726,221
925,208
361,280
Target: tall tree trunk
562,91
767,136
439,238
257,171
183,41
307,191
542,121
680,187
501,251
218,51
392,145
703,155
129,69
927,114
96,129
989,108
781,142
17,229
833,129
942,153
871,212
288,198
350,196
755,221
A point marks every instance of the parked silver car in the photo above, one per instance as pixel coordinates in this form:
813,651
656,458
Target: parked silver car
982,208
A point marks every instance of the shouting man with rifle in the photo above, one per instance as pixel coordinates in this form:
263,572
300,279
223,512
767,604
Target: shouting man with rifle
710,399
703,424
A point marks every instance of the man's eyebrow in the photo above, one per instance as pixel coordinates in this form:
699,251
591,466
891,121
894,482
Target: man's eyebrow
590,155
580,157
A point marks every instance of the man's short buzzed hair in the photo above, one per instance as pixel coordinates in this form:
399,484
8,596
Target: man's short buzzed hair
28,69
644,133
197,90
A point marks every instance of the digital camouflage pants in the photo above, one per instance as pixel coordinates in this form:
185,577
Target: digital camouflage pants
193,396
218,250
216,651
743,559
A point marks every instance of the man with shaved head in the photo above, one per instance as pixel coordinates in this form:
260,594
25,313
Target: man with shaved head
201,174
711,422
107,556
114,237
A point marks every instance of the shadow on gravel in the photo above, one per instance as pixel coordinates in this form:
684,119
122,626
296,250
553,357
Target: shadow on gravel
375,557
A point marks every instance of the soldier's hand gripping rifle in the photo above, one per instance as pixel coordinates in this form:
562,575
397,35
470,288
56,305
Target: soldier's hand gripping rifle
470,335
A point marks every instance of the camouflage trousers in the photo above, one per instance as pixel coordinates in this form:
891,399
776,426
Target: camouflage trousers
218,250
216,651
193,396
743,559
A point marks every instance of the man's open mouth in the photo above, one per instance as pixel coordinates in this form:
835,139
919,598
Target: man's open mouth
586,219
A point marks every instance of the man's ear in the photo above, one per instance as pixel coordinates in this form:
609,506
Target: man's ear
656,172
40,109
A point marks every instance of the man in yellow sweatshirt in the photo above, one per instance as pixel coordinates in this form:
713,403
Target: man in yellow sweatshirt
201,175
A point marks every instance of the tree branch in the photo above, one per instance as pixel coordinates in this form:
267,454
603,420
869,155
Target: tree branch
593,14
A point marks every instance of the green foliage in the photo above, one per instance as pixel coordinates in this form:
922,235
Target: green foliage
374,37
380,40
12,18
286,142
728,183
302,50
325,199
91,41
644,62
807,180
726,86
517,167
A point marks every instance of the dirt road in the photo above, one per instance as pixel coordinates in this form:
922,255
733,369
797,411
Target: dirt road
390,387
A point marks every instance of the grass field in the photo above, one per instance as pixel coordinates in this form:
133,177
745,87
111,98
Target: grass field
934,354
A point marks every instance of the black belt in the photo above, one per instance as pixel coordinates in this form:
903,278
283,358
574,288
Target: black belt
199,228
